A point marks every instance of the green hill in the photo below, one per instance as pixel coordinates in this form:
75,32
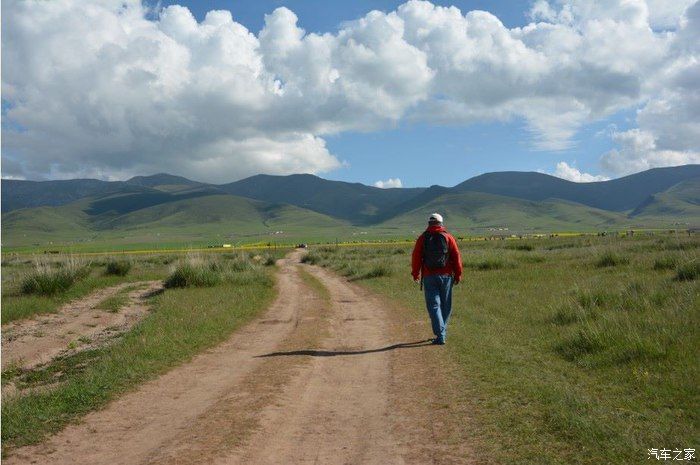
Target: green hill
358,203
218,212
44,225
620,194
473,211
353,202
679,203
171,209
18,194
169,183
132,218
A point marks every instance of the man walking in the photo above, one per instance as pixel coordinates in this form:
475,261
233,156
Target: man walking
437,263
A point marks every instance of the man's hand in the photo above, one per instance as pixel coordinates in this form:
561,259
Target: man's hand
457,280
415,280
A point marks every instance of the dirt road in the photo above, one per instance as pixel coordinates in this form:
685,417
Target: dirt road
345,380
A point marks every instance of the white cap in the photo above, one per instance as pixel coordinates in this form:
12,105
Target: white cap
435,217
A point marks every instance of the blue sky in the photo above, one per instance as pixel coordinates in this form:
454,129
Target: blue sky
360,91
423,155
326,16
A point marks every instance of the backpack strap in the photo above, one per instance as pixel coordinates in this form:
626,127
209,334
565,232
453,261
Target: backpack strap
425,238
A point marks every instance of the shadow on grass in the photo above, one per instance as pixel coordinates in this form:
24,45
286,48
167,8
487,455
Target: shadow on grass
335,353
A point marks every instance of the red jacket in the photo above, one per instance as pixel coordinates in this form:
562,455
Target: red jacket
454,263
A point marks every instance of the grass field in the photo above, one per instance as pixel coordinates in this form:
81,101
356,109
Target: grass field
181,323
17,304
570,350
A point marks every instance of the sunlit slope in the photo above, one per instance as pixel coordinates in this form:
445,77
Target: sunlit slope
217,211
165,182
679,203
173,218
44,224
476,210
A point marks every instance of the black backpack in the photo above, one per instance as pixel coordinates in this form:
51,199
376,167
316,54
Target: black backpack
435,250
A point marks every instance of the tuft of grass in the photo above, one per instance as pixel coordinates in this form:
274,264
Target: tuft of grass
118,267
523,247
193,275
160,260
46,280
583,306
197,271
565,245
688,271
583,342
610,258
681,245
531,258
609,344
668,262
235,262
593,299
487,264
567,314
376,271
311,258
346,269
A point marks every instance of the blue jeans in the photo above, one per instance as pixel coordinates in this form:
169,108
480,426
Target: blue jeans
438,300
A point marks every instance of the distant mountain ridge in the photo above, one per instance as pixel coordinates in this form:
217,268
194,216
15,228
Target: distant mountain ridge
18,194
162,179
354,202
659,197
328,196
619,194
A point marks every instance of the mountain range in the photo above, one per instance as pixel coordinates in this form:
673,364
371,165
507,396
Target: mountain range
163,208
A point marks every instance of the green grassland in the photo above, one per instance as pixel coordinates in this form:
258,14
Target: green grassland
469,210
127,220
182,322
571,350
17,304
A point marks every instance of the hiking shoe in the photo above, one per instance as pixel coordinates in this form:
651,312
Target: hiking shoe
438,342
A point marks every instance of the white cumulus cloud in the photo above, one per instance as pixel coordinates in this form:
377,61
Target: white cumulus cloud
664,14
638,151
571,173
110,89
389,183
668,132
